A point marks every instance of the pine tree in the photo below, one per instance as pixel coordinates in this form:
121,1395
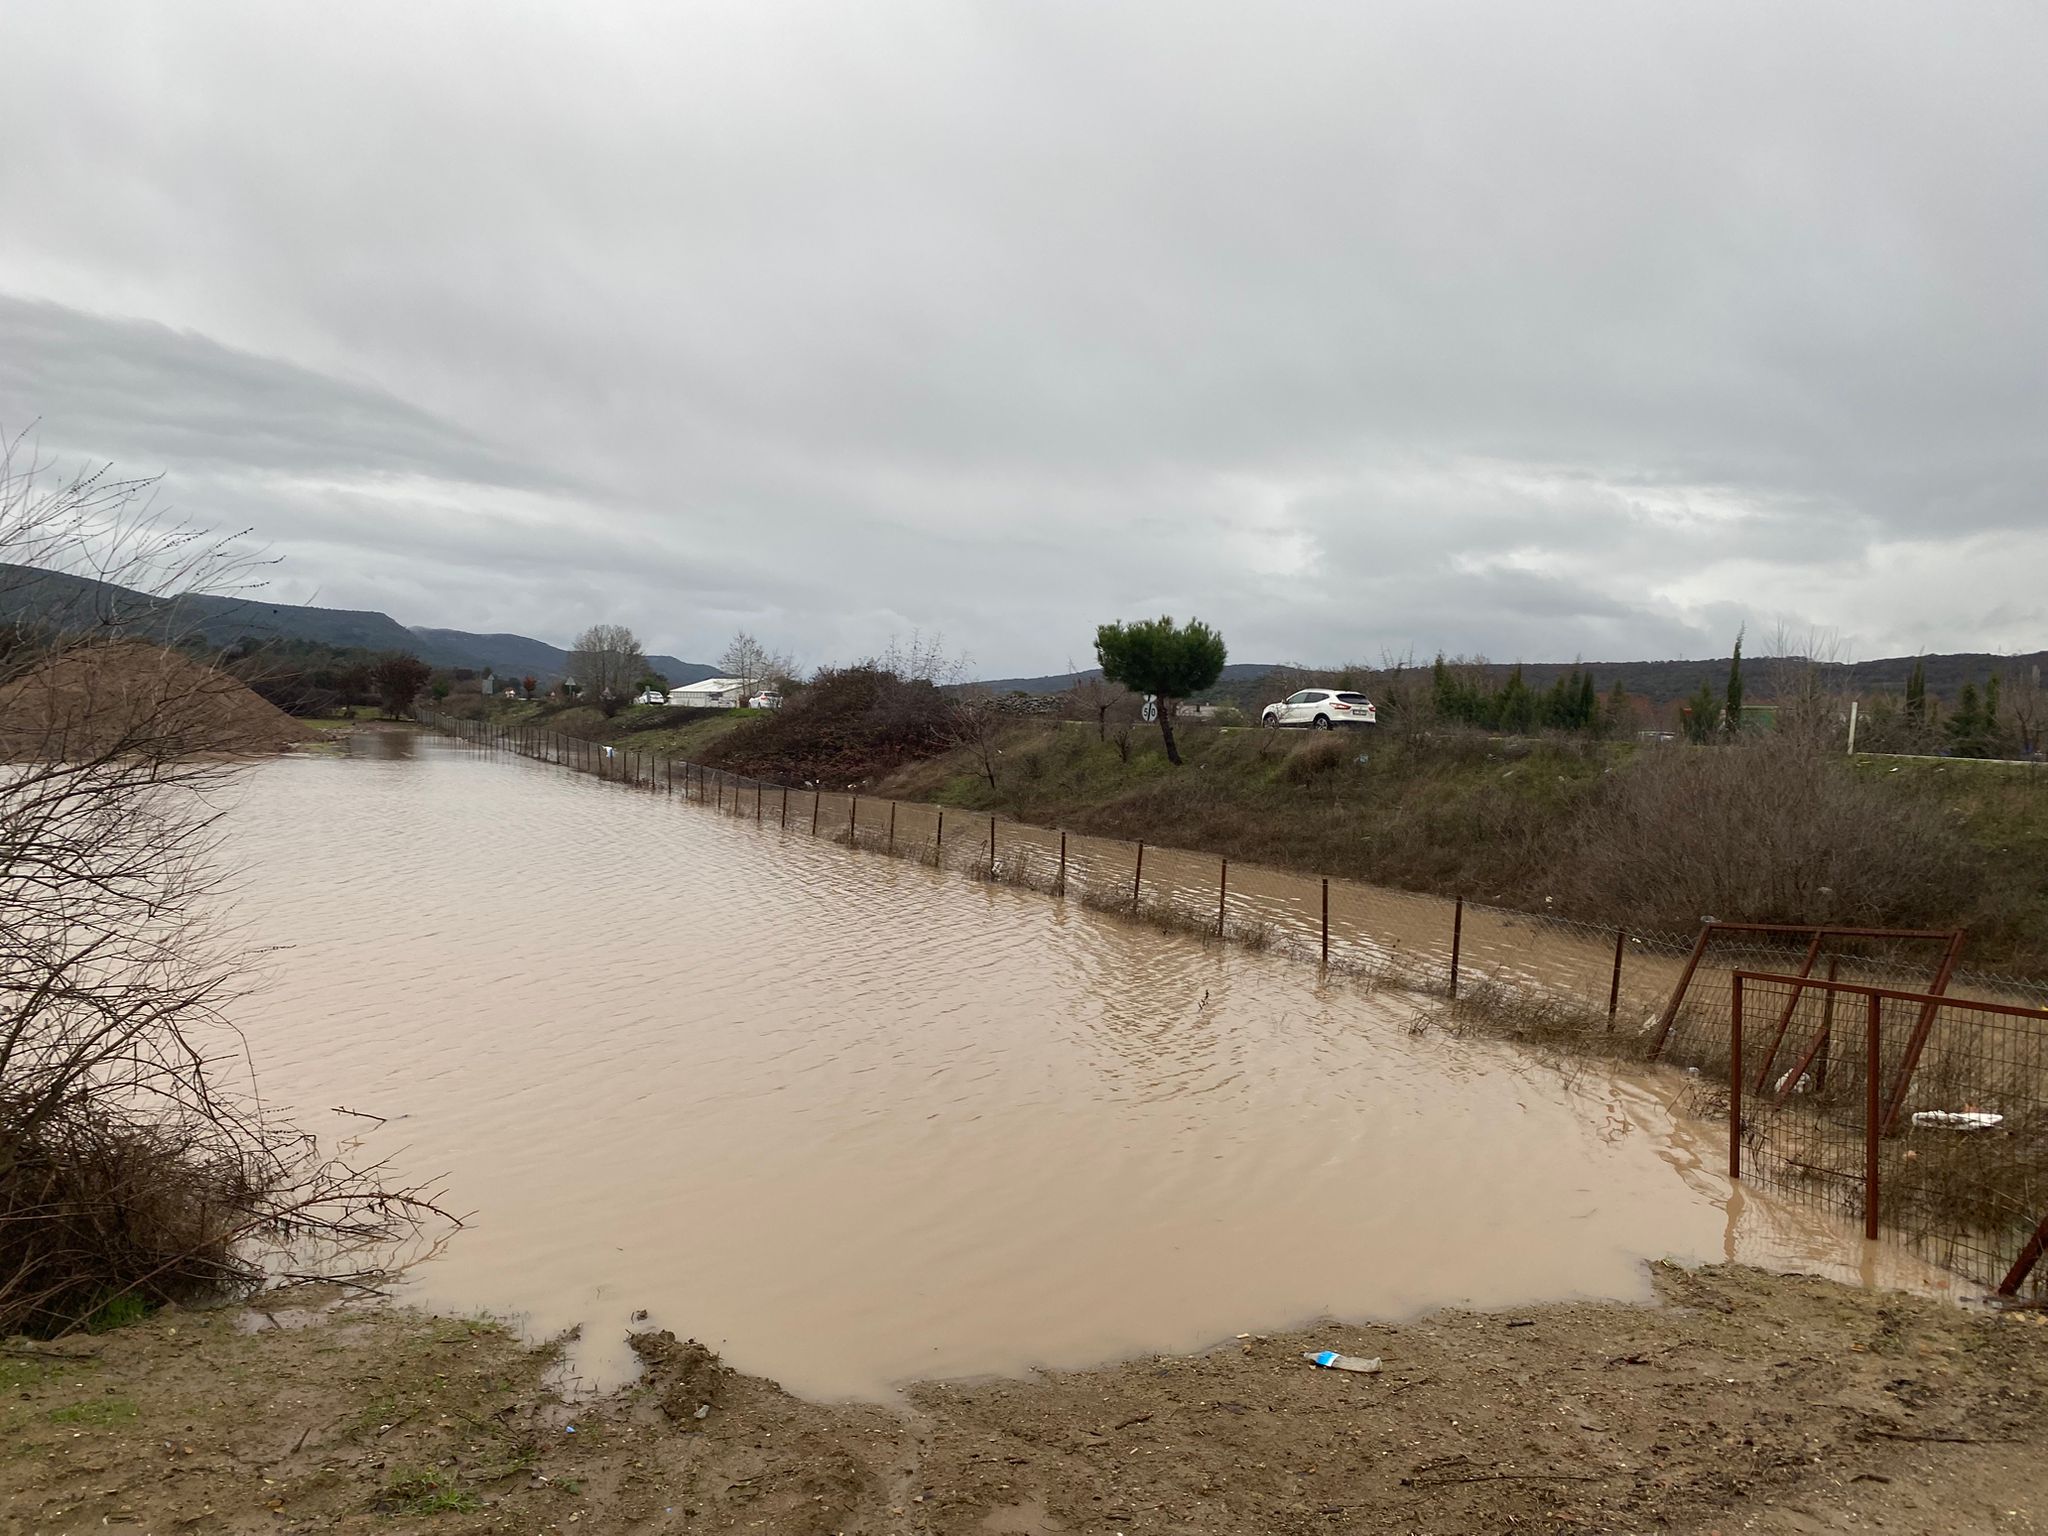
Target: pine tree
1702,714
1588,711
1734,722
1618,713
1916,693
1966,726
1515,706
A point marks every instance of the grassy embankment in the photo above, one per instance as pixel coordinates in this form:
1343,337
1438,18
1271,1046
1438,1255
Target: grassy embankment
1606,832
681,733
1574,828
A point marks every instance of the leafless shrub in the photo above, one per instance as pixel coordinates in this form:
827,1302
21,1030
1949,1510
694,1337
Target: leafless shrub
1768,829
1315,758
129,1167
1097,699
976,721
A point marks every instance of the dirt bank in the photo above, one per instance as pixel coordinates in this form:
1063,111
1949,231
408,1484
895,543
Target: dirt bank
129,697
1744,1402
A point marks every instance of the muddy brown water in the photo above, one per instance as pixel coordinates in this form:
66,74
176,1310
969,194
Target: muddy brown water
855,1121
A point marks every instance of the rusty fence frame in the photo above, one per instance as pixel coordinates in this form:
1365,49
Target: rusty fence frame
1880,1112
1818,934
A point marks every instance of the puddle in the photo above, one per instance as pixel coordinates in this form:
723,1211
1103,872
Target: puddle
853,1121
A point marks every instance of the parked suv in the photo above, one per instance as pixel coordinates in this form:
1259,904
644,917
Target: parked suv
1321,709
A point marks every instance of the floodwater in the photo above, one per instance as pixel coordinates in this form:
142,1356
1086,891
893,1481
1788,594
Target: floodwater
853,1121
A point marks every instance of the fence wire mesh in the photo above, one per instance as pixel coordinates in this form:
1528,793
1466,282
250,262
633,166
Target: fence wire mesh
1961,1150
1925,1116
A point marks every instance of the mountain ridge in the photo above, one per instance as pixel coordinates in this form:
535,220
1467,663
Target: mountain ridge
31,592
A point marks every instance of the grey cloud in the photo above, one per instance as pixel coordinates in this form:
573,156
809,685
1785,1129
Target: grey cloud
149,395
1535,330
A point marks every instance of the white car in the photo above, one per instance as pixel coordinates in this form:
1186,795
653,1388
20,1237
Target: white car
1321,709
765,701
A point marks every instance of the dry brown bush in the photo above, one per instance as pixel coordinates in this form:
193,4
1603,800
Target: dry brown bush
130,1170
1771,828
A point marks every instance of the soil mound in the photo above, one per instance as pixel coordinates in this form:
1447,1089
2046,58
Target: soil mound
130,696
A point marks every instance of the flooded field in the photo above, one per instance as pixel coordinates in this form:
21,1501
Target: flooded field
854,1121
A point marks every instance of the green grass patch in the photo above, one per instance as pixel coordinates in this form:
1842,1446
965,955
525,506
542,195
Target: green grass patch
428,1491
117,1312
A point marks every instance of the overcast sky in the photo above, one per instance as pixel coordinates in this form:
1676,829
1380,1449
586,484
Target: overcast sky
1537,330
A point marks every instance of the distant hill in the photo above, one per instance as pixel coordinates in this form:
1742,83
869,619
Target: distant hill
55,597
1660,682
1060,682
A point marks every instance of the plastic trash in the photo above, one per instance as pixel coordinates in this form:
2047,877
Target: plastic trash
1955,1120
1804,1085
1330,1360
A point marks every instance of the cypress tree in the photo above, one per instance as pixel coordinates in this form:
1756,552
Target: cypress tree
1734,721
1916,692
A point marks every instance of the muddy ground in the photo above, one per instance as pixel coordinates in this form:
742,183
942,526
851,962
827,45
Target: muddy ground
1744,1402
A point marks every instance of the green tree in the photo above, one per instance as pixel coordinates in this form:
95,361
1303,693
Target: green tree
1586,717
1702,714
1734,719
1619,711
1170,661
1515,705
1916,694
1966,726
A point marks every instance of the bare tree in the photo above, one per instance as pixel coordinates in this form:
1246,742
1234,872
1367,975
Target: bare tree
752,664
1098,699
130,1165
975,719
921,659
607,664
1807,682
2025,706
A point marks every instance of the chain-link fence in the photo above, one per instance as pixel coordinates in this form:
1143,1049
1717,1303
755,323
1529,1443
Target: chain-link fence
1925,1114
1965,1197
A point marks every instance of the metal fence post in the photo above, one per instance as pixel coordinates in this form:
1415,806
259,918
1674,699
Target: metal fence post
940,842
1137,874
1735,1079
817,799
1692,963
892,826
1873,1069
1916,1042
785,807
1457,940
991,847
1326,921
1827,1027
758,787
1061,888
852,819
1222,890
1614,986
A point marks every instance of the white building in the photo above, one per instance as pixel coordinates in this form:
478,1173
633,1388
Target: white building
712,693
